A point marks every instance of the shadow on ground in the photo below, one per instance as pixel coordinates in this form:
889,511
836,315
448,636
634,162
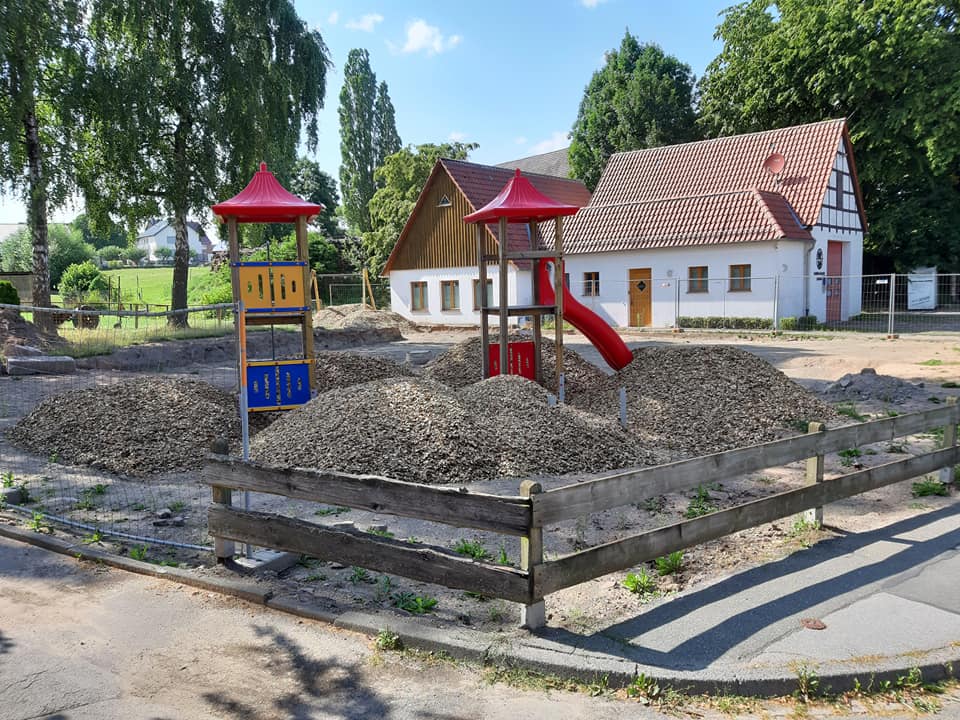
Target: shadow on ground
305,687
698,648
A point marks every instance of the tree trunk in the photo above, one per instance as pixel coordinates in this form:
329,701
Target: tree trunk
37,220
181,268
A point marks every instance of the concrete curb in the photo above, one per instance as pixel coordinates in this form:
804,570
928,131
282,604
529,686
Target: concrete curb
535,652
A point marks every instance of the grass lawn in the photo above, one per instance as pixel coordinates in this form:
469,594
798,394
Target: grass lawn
151,285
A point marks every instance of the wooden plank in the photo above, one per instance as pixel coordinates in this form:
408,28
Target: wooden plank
533,615
452,506
353,547
636,485
223,549
515,310
949,440
484,320
814,475
595,562
306,322
504,301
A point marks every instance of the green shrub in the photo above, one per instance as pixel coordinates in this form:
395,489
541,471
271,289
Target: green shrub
8,293
81,279
110,252
731,323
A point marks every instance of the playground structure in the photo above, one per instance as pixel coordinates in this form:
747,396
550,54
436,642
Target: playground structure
519,202
271,293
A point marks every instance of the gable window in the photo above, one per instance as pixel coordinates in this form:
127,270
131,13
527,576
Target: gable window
591,284
697,279
418,296
449,294
444,201
476,294
739,278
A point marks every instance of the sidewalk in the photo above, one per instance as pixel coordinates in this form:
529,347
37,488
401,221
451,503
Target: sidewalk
888,601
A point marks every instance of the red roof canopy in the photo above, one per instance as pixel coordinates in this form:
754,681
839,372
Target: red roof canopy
264,200
520,202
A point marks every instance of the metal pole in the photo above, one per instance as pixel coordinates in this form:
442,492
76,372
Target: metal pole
891,304
776,302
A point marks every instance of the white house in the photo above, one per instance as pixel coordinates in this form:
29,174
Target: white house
742,226
433,267
752,226
160,233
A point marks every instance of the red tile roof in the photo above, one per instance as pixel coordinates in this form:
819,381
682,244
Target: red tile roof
712,191
732,217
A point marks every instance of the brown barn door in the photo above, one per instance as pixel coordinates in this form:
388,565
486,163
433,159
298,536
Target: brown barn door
641,294
834,280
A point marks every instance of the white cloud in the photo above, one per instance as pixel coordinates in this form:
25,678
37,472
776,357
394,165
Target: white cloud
422,36
556,141
457,136
521,140
366,23
591,3
333,18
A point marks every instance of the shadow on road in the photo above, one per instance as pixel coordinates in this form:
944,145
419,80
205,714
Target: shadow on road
5,644
306,687
701,648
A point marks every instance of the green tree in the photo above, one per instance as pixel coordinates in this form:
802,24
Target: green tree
892,67
314,185
164,254
401,179
204,86
386,139
42,91
100,237
134,254
367,131
641,98
110,252
66,248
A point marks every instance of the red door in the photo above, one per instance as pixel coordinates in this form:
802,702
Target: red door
834,280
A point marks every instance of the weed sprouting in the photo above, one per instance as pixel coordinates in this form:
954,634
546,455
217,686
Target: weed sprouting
929,486
701,505
640,583
670,564
473,549
387,640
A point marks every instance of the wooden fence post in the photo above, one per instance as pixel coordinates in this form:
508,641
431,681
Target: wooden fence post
534,615
949,440
223,549
814,476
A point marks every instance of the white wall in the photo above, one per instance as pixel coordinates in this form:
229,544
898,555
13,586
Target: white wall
518,289
668,266
166,237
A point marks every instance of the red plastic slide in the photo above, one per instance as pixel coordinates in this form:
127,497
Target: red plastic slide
597,331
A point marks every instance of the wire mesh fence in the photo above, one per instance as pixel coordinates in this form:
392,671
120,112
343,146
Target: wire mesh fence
888,304
104,420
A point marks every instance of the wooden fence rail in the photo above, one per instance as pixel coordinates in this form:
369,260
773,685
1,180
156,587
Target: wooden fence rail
526,515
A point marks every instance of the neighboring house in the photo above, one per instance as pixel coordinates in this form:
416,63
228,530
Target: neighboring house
433,267
8,229
714,228
160,233
556,163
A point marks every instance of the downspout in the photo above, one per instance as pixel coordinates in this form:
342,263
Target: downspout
806,275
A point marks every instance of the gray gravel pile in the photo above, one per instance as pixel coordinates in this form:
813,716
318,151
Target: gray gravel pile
461,365
422,431
356,317
139,427
343,369
703,399
868,385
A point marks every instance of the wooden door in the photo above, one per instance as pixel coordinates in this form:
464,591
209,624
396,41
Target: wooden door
641,294
834,280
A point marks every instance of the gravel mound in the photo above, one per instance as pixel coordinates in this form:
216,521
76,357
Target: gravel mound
343,369
357,317
703,399
422,431
868,385
461,365
139,427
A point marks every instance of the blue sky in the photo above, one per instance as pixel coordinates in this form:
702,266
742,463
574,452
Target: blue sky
506,74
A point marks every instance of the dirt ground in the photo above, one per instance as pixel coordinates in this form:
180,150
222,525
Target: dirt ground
925,362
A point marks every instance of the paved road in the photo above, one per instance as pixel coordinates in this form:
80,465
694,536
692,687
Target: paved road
79,642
